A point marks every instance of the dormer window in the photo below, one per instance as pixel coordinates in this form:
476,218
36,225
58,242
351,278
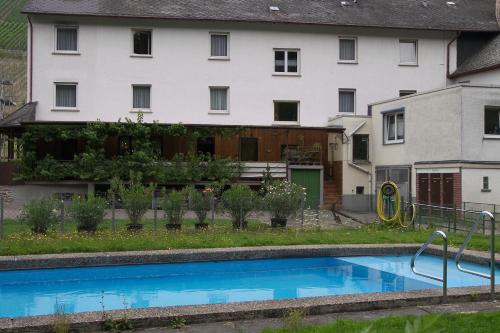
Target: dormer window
66,39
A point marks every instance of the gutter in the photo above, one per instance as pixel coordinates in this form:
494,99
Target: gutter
30,60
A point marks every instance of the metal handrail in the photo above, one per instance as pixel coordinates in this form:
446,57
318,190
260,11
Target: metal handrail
443,279
458,257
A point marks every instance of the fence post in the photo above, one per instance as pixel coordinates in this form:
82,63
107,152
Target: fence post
212,208
302,203
1,216
113,219
241,216
62,217
155,211
454,217
419,217
484,229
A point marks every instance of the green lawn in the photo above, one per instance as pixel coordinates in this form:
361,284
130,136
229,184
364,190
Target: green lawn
446,323
19,240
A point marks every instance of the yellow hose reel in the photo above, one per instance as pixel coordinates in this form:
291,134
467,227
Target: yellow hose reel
389,206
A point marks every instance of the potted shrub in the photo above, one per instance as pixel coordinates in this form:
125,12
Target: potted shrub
136,199
239,201
201,204
173,205
87,212
283,199
39,214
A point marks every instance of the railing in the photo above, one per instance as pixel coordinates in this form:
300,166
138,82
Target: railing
303,154
257,169
444,278
491,276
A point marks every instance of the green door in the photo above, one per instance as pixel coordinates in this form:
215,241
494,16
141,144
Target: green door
311,180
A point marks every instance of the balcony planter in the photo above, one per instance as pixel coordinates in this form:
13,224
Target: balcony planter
201,225
277,222
173,226
134,227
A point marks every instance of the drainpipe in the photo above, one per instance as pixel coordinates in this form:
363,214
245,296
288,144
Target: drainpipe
30,55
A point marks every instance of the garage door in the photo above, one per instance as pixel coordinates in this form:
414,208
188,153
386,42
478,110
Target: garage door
311,180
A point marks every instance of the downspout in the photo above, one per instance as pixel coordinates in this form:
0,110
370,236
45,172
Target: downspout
30,55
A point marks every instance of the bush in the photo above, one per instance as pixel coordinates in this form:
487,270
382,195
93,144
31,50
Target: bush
39,214
88,212
201,203
283,199
173,205
136,198
239,201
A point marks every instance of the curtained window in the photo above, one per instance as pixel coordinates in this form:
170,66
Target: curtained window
347,49
66,95
218,98
286,61
67,39
219,45
394,127
142,97
408,52
347,100
142,42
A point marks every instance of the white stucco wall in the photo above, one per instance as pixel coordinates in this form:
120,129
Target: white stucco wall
489,77
472,184
180,72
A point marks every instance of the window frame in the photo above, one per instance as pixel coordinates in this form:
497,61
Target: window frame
228,45
355,39
367,148
494,108
385,129
132,48
67,52
279,122
65,108
486,184
244,138
210,110
143,110
350,90
408,40
286,72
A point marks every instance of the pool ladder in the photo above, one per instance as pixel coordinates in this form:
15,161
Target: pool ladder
458,257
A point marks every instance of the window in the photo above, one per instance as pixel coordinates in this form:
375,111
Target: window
157,146
219,45
249,149
141,97
286,61
206,146
347,100
125,145
408,51
69,148
486,184
347,50
360,147
65,96
142,40
66,39
360,190
219,99
492,120
286,111
403,93
394,127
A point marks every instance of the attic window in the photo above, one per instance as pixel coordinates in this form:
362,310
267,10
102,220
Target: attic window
274,8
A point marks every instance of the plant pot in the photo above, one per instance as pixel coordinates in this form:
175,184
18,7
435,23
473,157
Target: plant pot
201,225
134,227
173,226
278,222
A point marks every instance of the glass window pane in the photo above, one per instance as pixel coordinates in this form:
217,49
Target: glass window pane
347,49
206,145
218,99
391,130
346,101
218,46
286,111
492,121
249,149
408,52
66,96
279,61
142,42
142,98
67,39
292,62
401,126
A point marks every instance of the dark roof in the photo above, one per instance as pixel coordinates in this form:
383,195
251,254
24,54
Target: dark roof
24,114
485,59
465,15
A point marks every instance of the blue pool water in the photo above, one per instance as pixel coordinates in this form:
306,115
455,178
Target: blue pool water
43,291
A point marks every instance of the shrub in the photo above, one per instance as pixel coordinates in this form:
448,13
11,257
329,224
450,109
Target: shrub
239,201
88,212
136,198
39,214
201,203
283,199
173,205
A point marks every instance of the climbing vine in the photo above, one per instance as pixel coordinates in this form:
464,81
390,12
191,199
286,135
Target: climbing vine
91,162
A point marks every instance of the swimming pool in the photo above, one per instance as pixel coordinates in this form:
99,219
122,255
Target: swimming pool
45,291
